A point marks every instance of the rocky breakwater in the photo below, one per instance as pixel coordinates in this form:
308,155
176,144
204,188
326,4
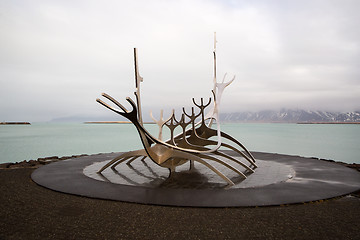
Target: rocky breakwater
37,163
355,166
15,123
46,160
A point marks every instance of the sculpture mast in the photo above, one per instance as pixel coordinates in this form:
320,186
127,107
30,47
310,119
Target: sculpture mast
214,61
214,88
138,80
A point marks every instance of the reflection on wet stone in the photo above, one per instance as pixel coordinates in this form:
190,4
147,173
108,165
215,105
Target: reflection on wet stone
147,174
191,179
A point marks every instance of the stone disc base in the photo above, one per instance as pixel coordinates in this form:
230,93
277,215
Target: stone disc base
279,179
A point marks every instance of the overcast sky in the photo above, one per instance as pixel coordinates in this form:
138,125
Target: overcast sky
57,57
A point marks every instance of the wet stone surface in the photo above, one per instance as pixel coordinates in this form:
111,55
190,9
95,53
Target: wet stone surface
147,173
279,179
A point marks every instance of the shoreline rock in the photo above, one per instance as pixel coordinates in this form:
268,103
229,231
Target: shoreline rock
15,123
37,163
46,160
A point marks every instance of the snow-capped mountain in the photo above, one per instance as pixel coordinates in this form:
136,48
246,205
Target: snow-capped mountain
288,115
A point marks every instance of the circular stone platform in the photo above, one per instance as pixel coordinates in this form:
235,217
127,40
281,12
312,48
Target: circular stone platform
279,179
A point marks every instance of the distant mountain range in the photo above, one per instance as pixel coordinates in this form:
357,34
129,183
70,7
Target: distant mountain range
284,115
290,116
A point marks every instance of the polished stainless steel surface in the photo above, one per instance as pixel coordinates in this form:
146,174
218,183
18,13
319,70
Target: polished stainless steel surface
193,144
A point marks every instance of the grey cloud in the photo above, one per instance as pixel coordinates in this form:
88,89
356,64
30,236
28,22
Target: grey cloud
57,57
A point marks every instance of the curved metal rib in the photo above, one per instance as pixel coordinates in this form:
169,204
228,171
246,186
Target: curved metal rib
163,151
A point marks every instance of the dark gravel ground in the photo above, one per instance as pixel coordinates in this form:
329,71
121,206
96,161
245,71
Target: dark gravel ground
29,211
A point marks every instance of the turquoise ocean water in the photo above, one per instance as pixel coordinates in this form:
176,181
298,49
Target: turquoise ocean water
340,142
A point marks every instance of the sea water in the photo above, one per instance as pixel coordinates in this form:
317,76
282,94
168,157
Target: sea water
340,142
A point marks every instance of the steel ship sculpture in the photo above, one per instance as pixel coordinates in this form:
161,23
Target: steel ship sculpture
195,143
